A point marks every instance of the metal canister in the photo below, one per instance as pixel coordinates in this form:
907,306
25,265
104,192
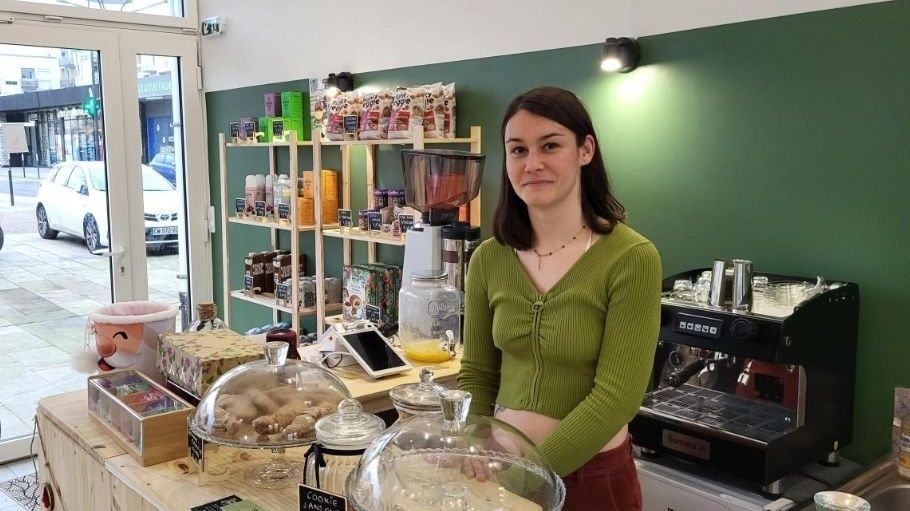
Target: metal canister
742,285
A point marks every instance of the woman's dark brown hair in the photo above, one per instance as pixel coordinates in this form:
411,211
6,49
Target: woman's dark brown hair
599,208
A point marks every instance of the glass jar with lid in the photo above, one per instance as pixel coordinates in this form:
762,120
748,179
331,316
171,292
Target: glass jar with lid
418,463
429,317
269,404
341,439
206,318
417,398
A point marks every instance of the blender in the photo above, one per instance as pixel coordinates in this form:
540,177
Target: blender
437,182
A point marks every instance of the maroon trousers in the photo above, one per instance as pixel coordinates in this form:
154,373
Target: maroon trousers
609,482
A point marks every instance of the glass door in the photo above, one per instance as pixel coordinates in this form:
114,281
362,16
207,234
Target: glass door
104,124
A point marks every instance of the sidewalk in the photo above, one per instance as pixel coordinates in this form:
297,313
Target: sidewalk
30,173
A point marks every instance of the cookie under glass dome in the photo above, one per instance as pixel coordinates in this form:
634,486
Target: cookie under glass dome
452,461
269,404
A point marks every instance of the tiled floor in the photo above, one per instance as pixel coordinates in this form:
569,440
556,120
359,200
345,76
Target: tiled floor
13,470
47,289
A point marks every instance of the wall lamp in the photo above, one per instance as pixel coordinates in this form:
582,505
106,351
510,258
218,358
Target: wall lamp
620,54
341,82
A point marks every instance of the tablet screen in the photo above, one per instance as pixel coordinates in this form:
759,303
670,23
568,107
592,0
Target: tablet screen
373,350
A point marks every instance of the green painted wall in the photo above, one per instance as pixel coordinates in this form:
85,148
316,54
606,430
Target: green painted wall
783,140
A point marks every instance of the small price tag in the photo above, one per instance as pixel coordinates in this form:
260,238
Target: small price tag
260,208
351,123
248,282
240,206
374,220
235,130
249,129
282,292
197,449
373,313
406,221
312,499
284,211
278,129
344,219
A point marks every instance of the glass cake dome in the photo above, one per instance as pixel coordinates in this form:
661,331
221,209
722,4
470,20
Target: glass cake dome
452,461
268,404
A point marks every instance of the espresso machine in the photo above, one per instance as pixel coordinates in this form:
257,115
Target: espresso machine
437,183
754,383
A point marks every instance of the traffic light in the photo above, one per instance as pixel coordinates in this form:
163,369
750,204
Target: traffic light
91,106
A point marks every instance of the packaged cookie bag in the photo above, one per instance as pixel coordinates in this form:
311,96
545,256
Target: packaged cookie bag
434,115
408,107
449,120
375,110
344,116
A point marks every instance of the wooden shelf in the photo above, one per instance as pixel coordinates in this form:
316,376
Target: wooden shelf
272,225
268,300
268,144
336,233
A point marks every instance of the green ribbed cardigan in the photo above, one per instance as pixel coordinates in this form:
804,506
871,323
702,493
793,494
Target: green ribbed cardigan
580,353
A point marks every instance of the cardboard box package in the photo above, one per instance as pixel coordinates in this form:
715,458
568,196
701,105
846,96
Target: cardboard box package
194,360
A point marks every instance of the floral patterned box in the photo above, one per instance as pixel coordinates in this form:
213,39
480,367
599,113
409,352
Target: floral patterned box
194,360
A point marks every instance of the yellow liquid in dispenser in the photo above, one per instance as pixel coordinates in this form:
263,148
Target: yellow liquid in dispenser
425,351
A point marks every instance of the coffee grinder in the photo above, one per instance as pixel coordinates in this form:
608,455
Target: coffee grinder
437,182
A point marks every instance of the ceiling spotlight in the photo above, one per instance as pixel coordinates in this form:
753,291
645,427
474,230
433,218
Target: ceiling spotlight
620,54
341,82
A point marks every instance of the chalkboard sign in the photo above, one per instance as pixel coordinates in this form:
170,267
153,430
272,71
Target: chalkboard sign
217,505
350,124
406,221
260,208
344,219
197,449
278,129
235,130
312,499
240,206
249,129
373,313
282,292
374,219
284,211
248,282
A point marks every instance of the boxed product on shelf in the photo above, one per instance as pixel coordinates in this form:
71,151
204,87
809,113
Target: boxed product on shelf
283,268
255,273
194,360
292,104
144,418
272,103
265,125
373,285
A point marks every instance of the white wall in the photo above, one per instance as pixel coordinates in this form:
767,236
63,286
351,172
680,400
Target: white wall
279,40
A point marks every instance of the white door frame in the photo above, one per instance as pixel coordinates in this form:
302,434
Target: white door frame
120,99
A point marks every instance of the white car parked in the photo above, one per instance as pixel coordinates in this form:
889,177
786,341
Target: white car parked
73,199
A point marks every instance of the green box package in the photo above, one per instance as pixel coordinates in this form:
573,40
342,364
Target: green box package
265,126
292,104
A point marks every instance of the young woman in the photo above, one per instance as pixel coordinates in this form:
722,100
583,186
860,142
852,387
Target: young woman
563,306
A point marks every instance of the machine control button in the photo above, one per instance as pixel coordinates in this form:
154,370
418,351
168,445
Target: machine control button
743,329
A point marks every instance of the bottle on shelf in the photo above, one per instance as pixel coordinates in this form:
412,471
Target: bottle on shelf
206,318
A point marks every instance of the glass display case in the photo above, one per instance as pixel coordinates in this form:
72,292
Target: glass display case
143,417
453,461
269,404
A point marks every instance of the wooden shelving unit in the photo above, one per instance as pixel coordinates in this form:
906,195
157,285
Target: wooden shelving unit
320,231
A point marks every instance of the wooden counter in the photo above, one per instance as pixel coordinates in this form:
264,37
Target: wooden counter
91,473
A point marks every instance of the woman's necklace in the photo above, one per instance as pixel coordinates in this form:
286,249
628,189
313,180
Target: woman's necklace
548,254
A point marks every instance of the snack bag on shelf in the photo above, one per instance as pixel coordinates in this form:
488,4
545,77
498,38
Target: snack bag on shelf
376,108
449,101
344,105
434,115
408,107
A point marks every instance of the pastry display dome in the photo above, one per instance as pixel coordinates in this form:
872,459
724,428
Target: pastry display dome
453,461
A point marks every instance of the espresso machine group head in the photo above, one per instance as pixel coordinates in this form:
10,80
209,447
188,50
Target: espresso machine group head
754,392
437,183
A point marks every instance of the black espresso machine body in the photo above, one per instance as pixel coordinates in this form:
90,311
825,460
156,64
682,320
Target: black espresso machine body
763,395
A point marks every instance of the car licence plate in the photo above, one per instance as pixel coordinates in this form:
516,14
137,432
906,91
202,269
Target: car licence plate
161,231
